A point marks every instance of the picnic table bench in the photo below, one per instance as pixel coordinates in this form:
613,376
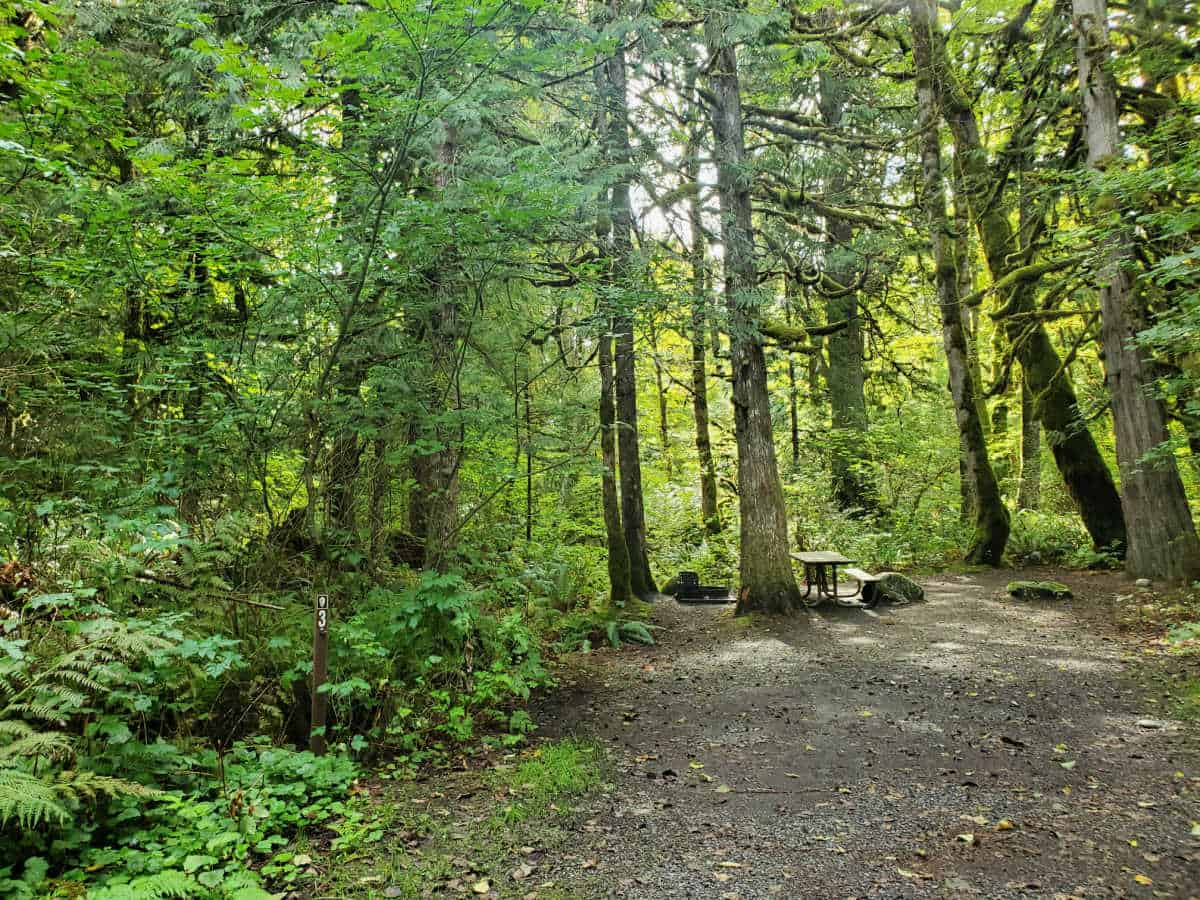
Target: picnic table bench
821,573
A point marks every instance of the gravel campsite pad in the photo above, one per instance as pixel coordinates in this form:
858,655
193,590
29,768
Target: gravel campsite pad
971,745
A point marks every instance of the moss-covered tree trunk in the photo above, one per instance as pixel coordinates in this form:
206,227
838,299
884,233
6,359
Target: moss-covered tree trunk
849,456
767,580
1087,477
1162,536
633,514
698,262
990,516
789,292
660,392
436,471
1029,492
620,588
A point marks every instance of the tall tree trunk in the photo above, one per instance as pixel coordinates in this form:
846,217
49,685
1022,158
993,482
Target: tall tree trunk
1029,491
341,469
970,325
660,387
633,514
620,588
849,460
1029,485
436,472
620,585
767,580
529,451
1162,536
991,518
698,261
793,391
381,480
1083,469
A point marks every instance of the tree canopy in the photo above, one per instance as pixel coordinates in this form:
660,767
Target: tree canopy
487,319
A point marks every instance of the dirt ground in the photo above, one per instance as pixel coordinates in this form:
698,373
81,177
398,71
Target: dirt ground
966,746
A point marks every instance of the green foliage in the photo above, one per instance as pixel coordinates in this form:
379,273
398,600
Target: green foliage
1039,537
551,774
280,285
431,663
76,665
587,629
212,832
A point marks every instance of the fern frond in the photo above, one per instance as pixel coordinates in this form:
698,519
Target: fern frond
12,682
170,883
78,679
79,784
51,744
29,801
14,728
40,709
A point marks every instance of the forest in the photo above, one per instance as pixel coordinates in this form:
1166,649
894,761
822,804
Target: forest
483,321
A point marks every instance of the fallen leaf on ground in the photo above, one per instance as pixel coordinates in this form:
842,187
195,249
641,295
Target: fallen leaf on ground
724,789
482,886
1143,879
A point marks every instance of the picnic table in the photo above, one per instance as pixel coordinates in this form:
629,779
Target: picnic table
821,572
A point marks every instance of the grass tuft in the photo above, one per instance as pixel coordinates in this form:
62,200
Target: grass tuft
549,776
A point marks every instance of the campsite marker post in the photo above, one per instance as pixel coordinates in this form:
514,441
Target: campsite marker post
320,670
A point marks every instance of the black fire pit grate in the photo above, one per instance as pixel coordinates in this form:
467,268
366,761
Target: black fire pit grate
688,589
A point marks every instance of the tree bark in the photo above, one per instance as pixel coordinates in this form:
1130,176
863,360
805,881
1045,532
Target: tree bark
1162,536
970,326
990,515
1029,492
664,433
381,481
529,451
620,587
793,390
768,583
342,466
633,515
849,459
436,472
698,261
1083,469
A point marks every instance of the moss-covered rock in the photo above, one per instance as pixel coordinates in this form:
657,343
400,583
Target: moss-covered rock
1039,590
893,587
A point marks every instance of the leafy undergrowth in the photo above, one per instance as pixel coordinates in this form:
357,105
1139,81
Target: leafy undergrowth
1169,624
480,832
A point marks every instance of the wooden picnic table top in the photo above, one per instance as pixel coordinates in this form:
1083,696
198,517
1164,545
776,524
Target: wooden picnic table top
821,557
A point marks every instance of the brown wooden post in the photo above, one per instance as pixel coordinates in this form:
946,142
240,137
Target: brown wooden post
320,670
